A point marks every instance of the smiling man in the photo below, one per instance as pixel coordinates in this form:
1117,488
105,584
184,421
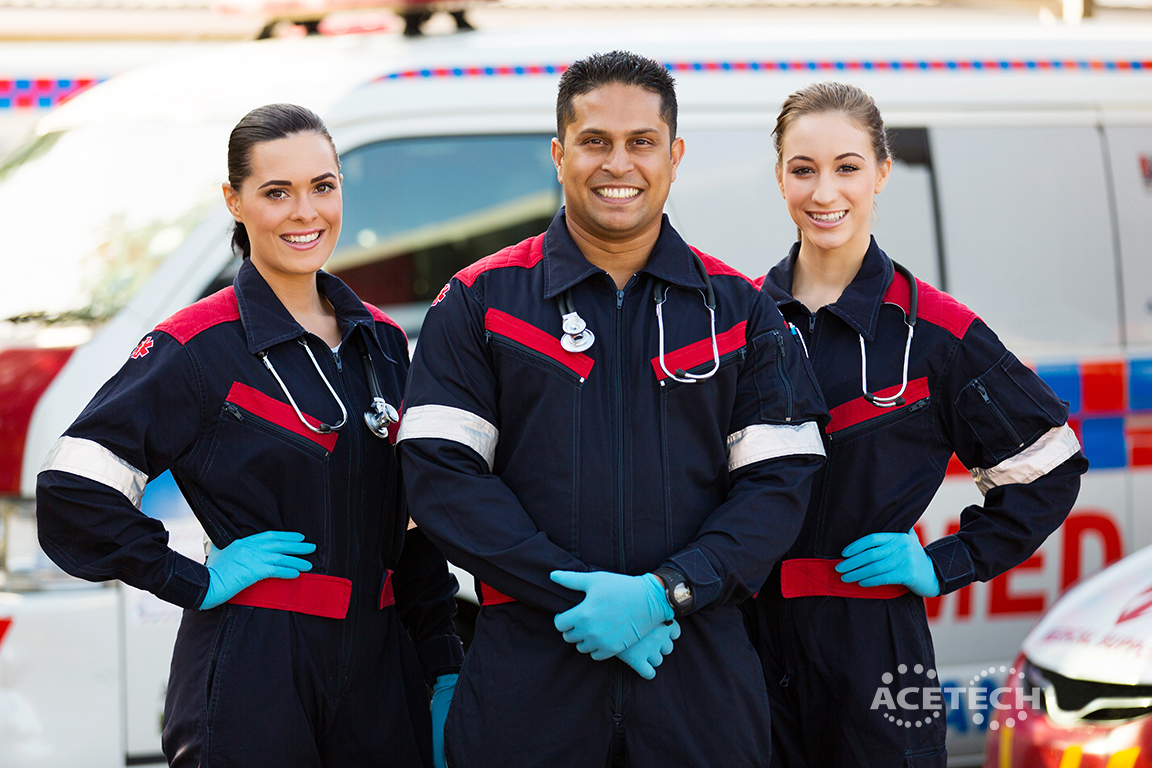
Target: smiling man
615,433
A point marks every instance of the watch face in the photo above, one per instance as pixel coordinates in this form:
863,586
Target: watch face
682,593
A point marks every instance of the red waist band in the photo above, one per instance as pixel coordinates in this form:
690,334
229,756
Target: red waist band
489,596
310,593
817,576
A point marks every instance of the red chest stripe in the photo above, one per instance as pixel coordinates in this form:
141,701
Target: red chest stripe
256,402
532,337
699,352
860,410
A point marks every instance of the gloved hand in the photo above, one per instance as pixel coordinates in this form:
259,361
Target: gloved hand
441,698
649,653
890,558
616,612
244,562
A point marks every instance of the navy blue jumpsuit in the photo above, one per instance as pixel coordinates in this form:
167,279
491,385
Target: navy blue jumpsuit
825,654
263,686
522,458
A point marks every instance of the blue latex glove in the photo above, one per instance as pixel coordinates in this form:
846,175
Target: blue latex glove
649,653
616,612
244,562
890,558
441,698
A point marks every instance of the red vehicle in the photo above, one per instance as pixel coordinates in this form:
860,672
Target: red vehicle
1080,693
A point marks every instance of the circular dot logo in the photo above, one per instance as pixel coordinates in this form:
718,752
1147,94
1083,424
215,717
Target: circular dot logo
981,679
916,718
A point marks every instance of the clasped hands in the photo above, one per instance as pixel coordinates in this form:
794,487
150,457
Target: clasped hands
627,617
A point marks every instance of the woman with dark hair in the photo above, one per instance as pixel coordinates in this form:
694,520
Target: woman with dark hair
311,631
910,377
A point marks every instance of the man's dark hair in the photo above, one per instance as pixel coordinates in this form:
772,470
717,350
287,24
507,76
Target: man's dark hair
601,69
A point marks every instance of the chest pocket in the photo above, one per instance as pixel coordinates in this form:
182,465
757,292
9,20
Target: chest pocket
699,359
857,418
268,468
518,343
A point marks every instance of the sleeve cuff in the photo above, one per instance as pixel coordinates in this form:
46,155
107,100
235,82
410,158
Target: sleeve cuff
953,563
440,655
187,585
706,584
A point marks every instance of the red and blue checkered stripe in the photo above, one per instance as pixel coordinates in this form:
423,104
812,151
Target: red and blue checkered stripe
1110,409
812,65
41,93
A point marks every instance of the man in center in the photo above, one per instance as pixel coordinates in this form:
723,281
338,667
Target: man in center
615,434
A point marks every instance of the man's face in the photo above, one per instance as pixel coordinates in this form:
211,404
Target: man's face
617,163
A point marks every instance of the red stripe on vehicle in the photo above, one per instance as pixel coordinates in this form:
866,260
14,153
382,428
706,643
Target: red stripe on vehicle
220,307
700,352
24,375
817,577
956,467
4,625
311,593
1139,429
1103,387
532,337
860,410
525,254
282,414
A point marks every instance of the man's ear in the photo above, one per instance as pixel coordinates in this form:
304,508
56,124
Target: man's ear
558,159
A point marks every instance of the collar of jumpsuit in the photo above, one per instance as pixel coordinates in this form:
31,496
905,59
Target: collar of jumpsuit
267,323
859,305
565,265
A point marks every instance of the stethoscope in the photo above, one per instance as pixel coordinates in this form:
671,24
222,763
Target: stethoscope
577,337
910,320
378,417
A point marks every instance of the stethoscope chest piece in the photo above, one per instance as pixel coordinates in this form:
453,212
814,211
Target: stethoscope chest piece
380,417
577,337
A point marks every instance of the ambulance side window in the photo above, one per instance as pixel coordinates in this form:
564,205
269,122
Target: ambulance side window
418,210
1028,234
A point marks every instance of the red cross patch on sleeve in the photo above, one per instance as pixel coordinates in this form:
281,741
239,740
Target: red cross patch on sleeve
142,348
440,296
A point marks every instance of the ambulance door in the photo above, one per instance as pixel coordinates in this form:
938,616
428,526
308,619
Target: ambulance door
1129,154
1028,242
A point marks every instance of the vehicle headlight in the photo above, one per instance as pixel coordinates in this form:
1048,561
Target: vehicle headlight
23,565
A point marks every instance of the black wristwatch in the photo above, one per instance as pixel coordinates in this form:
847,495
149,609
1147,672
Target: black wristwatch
678,590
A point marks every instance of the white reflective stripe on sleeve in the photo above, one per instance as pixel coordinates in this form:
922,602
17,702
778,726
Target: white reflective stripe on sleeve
448,423
770,441
95,462
1054,447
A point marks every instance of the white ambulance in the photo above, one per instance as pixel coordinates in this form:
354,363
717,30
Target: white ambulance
1023,186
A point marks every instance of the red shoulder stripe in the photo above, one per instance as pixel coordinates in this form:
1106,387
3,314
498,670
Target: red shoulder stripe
713,266
527,254
758,283
381,317
220,307
932,305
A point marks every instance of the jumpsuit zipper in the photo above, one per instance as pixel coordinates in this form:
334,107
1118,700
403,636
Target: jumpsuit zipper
780,373
998,414
264,425
618,671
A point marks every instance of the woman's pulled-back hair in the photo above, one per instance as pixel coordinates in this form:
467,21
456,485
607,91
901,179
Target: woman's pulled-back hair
267,123
848,100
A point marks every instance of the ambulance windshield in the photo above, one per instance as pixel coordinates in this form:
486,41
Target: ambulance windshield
93,211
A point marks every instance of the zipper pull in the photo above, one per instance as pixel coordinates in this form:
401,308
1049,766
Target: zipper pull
812,323
983,392
339,367
619,298
233,411
780,345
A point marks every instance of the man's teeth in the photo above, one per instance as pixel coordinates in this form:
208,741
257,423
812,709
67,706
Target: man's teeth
829,216
618,193
299,239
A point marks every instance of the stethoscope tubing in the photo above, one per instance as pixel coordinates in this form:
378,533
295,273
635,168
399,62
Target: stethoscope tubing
892,401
